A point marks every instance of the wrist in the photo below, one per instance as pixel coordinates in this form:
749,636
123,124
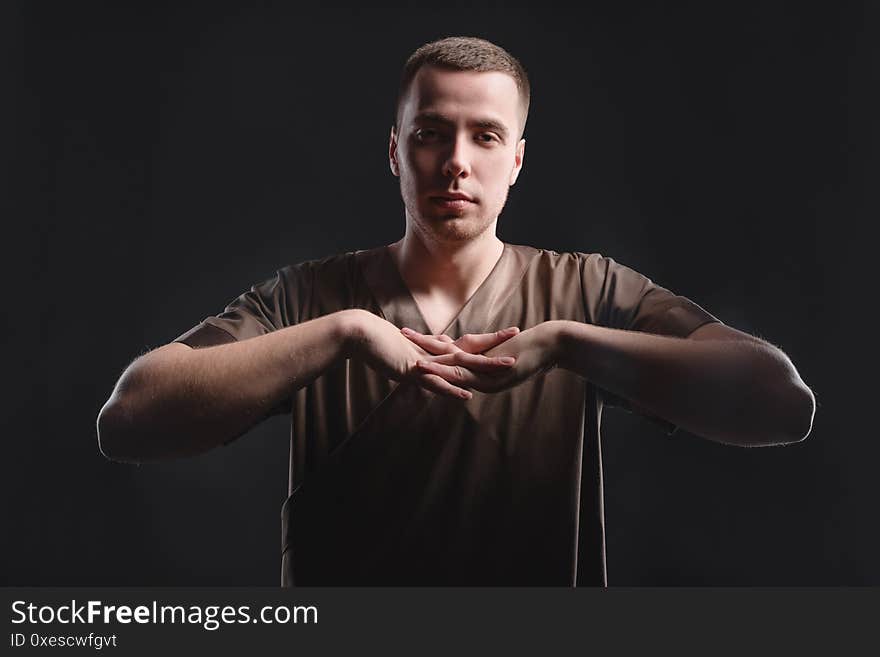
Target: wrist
568,338
350,329
555,338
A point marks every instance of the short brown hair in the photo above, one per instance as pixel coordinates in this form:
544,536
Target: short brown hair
465,54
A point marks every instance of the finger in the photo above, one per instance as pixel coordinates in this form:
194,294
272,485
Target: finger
441,386
465,378
440,338
479,342
429,343
476,362
454,374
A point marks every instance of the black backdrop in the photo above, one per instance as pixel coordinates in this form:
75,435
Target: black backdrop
163,158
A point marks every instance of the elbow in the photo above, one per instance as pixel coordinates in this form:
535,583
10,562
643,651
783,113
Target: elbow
801,413
122,420
792,416
112,431
793,405
786,418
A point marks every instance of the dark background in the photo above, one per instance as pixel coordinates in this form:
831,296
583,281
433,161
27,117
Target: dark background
161,159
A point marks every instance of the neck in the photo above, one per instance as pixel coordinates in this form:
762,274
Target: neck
452,270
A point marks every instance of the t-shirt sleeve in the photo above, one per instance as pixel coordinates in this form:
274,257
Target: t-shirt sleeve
267,306
619,297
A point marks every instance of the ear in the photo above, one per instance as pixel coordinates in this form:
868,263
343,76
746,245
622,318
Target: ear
518,161
392,153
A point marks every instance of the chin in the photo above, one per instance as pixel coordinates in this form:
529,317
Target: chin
451,228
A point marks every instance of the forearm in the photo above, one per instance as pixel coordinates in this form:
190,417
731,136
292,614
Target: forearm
737,392
178,402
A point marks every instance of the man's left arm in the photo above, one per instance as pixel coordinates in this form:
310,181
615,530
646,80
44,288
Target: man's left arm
718,383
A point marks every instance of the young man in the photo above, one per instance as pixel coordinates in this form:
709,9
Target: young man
446,391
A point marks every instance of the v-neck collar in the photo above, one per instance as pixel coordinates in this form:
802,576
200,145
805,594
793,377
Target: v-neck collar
400,308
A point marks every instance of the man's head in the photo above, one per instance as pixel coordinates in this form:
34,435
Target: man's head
458,129
465,54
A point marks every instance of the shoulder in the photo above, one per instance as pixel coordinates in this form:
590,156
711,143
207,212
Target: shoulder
589,264
598,277
331,265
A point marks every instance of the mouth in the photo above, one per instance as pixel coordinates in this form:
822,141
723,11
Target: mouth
452,201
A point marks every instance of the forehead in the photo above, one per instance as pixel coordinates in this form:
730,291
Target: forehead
451,93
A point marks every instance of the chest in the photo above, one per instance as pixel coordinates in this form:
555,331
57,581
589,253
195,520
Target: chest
438,313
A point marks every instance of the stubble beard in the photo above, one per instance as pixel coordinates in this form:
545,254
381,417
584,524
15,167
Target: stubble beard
452,228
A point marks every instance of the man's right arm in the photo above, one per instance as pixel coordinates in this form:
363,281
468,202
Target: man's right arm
177,401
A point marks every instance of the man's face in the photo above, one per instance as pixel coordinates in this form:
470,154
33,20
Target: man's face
458,136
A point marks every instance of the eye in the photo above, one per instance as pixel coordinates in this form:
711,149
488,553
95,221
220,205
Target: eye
487,137
426,134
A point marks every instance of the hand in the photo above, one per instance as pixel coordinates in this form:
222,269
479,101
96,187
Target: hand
382,346
534,350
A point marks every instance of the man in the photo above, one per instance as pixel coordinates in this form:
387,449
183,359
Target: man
446,390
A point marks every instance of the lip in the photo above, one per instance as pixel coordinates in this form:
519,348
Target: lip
453,196
455,201
448,203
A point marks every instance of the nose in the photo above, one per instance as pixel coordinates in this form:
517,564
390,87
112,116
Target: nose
457,164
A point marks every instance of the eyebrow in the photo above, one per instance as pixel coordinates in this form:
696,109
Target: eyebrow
486,123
